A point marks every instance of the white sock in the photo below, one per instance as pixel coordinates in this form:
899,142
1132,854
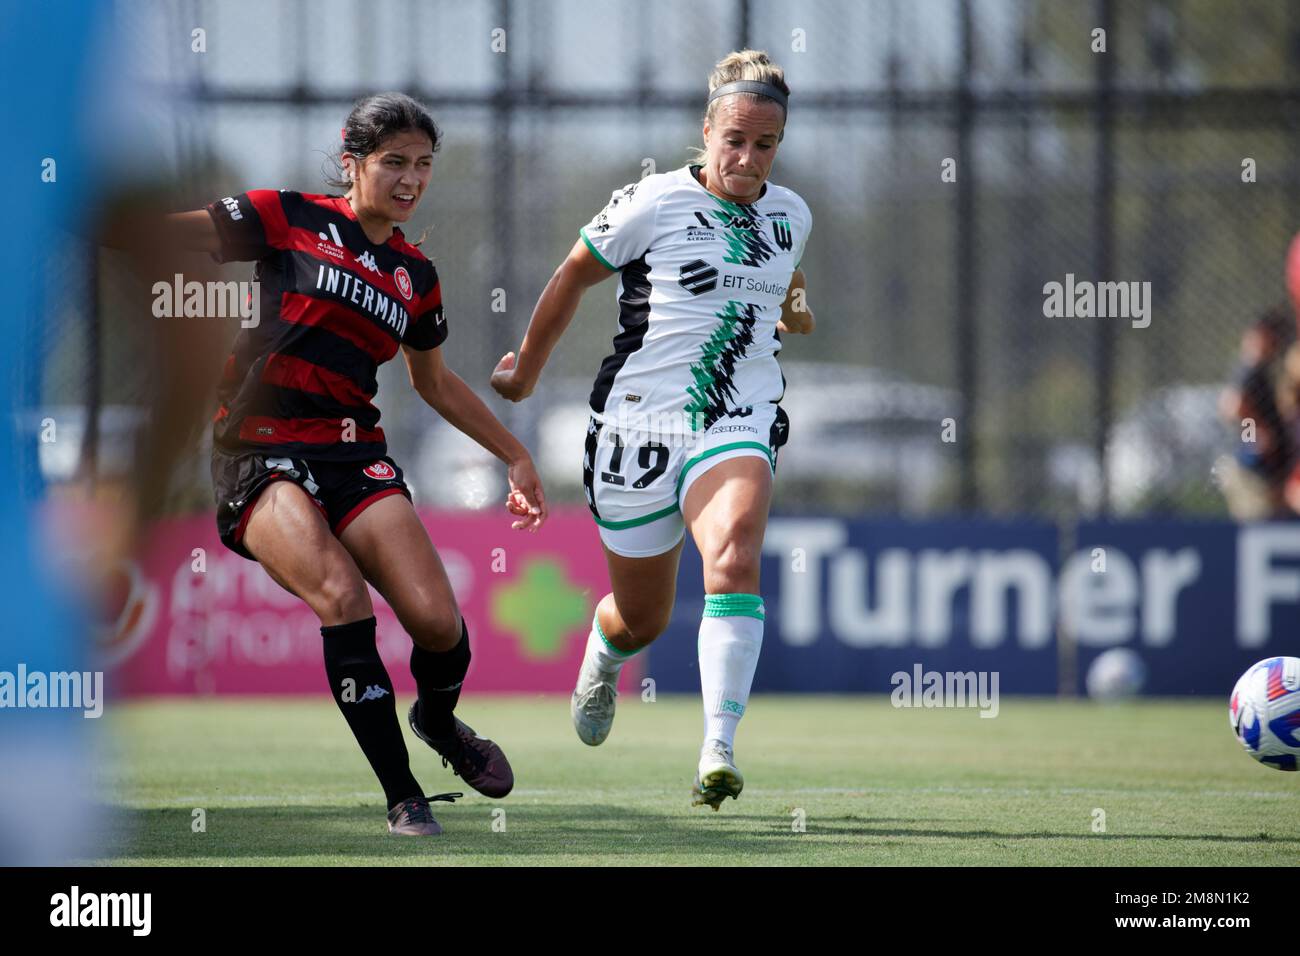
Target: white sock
731,635
607,659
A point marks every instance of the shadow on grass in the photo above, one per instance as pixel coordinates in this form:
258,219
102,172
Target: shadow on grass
601,833
915,832
313,831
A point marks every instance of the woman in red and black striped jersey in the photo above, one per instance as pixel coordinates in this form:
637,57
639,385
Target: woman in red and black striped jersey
300,468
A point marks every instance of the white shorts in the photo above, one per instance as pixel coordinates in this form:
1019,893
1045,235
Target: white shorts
635,487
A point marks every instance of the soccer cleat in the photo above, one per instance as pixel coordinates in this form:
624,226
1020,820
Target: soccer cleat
718,777
413,817
592,705
476,760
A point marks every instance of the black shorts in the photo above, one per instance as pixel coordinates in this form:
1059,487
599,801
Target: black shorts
340,489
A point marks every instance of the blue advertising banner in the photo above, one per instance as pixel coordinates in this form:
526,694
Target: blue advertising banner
1198,602
852,603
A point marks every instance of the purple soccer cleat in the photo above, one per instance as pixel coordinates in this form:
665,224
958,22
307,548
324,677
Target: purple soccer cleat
476,760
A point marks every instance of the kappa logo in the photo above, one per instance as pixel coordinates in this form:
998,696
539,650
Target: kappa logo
373,692
403,280
746,223
380,470
367,260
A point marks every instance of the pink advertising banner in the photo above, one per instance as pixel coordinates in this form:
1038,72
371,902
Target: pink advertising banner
196,618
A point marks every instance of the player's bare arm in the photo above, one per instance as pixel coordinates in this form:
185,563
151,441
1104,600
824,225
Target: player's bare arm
447,394
796,317
193,230
516,376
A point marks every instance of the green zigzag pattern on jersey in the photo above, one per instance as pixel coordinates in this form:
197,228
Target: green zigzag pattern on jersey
747,247
717,364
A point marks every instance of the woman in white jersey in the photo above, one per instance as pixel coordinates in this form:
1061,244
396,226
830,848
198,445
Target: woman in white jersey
685,418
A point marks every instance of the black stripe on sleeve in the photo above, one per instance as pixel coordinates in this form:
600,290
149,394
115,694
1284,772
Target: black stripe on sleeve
240,229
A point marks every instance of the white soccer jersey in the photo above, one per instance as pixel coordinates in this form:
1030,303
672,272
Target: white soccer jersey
702,285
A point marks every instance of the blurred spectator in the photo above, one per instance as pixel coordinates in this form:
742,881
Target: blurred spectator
1261,404
95,174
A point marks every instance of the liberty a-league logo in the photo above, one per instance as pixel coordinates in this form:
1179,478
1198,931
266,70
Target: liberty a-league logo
701,233
332,244
781,231
698,277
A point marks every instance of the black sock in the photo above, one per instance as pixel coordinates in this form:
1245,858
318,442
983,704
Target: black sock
364,693
438,676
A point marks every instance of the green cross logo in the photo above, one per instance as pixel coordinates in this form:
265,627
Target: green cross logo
541,607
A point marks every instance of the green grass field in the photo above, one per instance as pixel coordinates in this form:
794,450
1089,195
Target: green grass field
282,783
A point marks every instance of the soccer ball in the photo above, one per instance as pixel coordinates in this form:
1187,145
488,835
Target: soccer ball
1264,711
1116,674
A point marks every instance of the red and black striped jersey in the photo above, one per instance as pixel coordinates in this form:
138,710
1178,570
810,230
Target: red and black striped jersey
333,307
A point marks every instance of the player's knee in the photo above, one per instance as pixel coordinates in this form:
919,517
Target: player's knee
733,569
646,623
435,629
341,598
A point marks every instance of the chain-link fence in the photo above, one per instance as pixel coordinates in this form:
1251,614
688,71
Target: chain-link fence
957,156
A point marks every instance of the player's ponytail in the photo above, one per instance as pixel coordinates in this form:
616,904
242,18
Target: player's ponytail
373,119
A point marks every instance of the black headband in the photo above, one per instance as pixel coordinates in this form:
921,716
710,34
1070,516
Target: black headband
751,86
